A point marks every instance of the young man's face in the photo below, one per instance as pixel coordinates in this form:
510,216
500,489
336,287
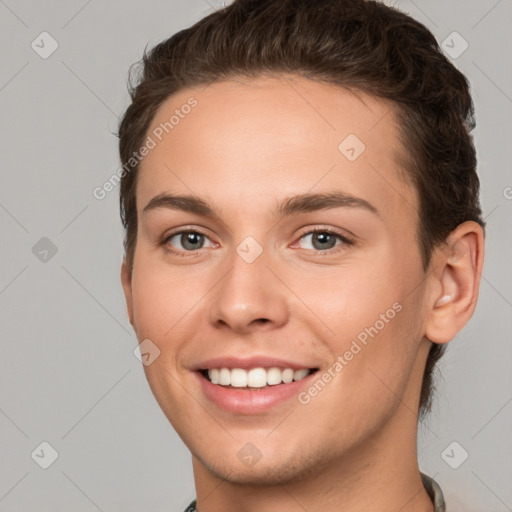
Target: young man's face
253,286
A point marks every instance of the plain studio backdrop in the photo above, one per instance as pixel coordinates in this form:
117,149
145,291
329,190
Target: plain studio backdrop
69,378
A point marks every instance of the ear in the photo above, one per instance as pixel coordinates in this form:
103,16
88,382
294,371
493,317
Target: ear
454,293
126,280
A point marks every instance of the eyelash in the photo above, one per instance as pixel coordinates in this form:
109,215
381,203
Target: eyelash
344,239
346,242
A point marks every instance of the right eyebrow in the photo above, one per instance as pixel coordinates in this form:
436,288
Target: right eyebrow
185,203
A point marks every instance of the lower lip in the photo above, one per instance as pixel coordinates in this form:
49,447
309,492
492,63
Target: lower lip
249,401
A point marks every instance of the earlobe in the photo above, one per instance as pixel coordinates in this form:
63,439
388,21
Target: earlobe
126,281
460,264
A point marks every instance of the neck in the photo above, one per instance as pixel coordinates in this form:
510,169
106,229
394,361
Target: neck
381,475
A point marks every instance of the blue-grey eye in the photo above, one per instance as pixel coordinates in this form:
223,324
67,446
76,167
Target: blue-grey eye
188,240
321,240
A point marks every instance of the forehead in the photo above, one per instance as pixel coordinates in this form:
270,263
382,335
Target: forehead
274,136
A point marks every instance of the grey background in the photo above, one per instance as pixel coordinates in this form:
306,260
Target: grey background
68,373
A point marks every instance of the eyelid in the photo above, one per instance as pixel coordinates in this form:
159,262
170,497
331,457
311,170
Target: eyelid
183,229
342,233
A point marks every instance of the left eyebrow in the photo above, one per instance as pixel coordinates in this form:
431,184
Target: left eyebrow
303,203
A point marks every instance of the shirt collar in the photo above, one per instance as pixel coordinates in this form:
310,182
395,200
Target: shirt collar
435,493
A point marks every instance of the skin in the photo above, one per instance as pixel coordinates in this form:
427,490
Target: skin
247,146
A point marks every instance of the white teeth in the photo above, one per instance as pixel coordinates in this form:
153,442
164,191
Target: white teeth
238,378
288,375
300,374
255,377
274,376
214,375
224,377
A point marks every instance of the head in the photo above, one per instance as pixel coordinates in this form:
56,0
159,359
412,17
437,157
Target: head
271,120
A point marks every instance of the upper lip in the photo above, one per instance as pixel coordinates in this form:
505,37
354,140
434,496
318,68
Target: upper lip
250,362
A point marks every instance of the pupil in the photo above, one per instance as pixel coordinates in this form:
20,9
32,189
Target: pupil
325,240
191,240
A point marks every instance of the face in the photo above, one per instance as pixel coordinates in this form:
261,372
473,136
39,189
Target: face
277,272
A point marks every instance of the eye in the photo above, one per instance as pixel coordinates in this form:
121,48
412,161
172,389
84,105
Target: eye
322,240
187,241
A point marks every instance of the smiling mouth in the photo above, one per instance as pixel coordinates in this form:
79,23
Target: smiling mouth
254,378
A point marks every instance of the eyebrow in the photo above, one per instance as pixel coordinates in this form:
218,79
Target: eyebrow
303,203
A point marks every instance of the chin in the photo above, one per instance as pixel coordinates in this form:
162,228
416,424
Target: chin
270,472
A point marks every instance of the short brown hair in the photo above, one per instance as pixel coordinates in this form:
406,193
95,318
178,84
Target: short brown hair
356,44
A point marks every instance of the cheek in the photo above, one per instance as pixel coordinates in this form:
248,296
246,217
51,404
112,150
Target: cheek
162,302
373,317
348,300
161,299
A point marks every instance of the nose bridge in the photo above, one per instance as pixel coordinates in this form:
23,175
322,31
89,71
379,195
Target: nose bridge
249,295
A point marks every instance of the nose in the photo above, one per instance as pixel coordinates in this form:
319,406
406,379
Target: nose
249,298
